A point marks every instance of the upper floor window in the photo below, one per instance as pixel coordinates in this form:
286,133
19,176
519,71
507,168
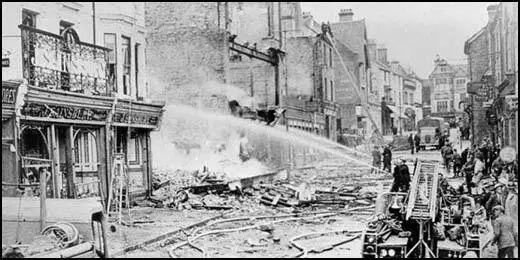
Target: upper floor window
110,42
64,25
29,18
330,57
125,49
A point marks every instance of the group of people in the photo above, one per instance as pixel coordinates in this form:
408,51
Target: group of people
386,156
414,140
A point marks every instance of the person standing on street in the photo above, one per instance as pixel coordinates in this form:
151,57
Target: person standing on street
410,141
405,176
505,233
376,160
457,163
464,155
417,140
387,159
478,173
497,198
447,153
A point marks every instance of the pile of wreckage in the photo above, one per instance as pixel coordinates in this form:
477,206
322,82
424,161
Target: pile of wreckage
215,191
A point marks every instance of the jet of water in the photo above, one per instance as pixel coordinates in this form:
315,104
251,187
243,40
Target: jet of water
183,112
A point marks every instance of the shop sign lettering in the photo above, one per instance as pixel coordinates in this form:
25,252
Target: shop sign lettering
73,113
136,119
8,95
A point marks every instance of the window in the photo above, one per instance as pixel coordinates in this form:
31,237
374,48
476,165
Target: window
64,25
270,19
405,98
331,91
136,53
110,42
125,49
330,57
324,53
326,92
133,149
442,106
411,99
29,18
85,154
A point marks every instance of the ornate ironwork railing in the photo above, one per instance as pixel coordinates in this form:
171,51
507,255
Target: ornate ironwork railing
63,62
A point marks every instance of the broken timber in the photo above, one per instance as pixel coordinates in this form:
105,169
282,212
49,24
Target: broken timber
253,53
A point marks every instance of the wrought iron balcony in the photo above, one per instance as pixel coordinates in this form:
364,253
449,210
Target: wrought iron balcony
63,62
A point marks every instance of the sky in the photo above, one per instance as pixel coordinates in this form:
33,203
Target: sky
413,33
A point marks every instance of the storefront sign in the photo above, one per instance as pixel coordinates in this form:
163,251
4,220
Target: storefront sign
8,95
73,113
480,90
136,119
5,62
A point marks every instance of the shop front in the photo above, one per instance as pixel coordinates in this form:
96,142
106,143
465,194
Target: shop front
71,125
9,140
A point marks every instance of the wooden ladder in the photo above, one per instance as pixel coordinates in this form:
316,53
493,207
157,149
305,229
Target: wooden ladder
118,181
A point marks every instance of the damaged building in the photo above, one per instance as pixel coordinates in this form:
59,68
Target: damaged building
79,71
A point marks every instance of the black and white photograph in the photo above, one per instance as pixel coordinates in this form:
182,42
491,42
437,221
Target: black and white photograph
260,130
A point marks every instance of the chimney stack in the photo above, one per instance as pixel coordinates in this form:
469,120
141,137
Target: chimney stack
346,15
382,54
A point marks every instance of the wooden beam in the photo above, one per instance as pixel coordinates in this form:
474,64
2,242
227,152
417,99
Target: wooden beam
55,168
253,53
69,154
43,200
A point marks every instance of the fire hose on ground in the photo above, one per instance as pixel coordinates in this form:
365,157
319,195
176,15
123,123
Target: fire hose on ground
189,241
305,251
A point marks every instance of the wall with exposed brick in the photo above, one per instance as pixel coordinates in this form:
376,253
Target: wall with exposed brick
478,60
345,95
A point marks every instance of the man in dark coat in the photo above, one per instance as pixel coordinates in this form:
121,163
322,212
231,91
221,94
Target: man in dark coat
417,140
457,163
497,198
405,176
447,153
401,177
410,141
387,159
464,155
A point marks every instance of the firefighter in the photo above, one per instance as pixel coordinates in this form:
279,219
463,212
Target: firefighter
387,159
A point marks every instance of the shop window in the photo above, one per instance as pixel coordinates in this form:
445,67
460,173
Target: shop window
126,51
133,149
85,152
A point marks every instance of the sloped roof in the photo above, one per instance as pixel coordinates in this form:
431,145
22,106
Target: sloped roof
460,69
473,38
351,34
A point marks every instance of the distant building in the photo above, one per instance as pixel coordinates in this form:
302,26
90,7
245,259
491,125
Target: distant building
448,89
352,43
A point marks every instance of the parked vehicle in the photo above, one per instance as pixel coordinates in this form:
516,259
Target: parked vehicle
431,129
79,225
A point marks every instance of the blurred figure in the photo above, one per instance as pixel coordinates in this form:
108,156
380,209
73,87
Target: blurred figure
387,159
478,173
376,160
244,151
447,153
505,233
464,155
411,142
417,141
457,163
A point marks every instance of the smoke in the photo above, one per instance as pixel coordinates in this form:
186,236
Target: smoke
188,142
